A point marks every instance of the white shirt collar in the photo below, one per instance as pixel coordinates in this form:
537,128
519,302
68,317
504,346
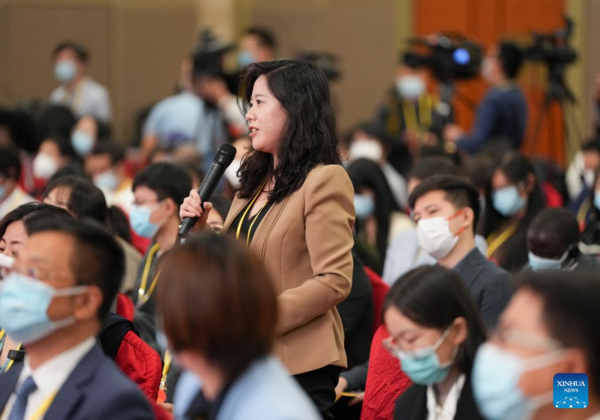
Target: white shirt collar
448,410
50,376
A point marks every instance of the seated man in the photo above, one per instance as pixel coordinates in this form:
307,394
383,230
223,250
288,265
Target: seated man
11,194
446,209
553,239
62,284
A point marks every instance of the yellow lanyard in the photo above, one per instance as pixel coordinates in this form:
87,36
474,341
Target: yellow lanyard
43,408
144,295
2,333
411,120
585,206
239,228
165,372
495,242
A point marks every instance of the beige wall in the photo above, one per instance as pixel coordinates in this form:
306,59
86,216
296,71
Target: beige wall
136,48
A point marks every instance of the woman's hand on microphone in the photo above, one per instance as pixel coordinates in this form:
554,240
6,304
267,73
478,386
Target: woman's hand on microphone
191,207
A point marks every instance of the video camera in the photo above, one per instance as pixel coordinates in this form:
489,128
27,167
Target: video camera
450,56
553,47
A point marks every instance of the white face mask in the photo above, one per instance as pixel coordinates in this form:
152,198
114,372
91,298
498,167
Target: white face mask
410,87
366,148
486,69
589,176
435,237
44,166
231,173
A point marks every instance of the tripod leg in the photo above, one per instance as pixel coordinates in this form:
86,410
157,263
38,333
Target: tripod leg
538,125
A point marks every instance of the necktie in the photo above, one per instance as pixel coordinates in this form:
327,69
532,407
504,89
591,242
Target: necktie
18,410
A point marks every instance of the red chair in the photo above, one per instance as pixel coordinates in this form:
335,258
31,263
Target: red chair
140,363
380,291
125,306
385,381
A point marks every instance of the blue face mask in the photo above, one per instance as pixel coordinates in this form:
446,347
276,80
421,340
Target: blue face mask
540,264
65,71
139,218
423,365
596,199
82,142
495,379
508,201
245,58
24,303
364,206
2,192
107,181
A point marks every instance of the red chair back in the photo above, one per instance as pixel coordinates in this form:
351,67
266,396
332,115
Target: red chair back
380,291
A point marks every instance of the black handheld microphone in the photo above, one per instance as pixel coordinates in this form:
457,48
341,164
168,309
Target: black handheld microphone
223,159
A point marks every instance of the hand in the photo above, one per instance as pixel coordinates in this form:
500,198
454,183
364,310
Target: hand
341,386
452,132
357,400
192,207
167,407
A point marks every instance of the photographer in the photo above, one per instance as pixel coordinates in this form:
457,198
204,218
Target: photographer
503,111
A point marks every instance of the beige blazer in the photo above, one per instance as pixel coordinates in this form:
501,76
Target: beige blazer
306,242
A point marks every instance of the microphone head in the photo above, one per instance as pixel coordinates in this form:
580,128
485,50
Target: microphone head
225,154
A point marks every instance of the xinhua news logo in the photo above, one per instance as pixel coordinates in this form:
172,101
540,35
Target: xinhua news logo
570,390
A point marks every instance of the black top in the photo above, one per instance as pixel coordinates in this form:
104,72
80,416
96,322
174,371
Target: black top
412,404
256,219
202,409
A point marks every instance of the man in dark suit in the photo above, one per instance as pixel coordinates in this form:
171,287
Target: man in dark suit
446,209
62,286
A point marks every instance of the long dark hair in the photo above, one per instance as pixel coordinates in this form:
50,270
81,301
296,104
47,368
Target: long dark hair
517,169
309,137
433,297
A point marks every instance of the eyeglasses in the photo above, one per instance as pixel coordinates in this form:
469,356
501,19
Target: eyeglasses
526,340
395,349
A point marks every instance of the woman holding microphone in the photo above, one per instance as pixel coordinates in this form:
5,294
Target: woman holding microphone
294,209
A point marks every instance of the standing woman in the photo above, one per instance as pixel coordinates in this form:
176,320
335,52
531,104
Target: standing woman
294,208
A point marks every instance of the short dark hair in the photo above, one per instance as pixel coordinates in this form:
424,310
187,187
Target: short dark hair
166,180
85,201
433,297
216,298
433,165
560,222
63,143
206,65
80,51
263,35
107,147
570,312
33,215
10,163
52,120
118,223
97,260
460,192
592,145
511,57
376,130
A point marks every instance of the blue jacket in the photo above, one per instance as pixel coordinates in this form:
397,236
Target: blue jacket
502,115
265,391
96,389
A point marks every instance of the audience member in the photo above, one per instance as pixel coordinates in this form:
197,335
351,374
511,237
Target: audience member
375,209
15,229
78,91
54,153
404,252
553,239
446,211
11,193
581,176
515,200
159,189
370,141
213,284
503,111
550,326
256,44
63,283
435,332
87,133
106,166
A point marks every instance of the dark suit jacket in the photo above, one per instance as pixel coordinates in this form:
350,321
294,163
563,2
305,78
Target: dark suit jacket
96,389
490,285
412,405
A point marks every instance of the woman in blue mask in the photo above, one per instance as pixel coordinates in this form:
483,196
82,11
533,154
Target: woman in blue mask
548,335
514,201
589,216
435,331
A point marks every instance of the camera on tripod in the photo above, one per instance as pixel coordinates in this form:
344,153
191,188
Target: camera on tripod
450,56
553,47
